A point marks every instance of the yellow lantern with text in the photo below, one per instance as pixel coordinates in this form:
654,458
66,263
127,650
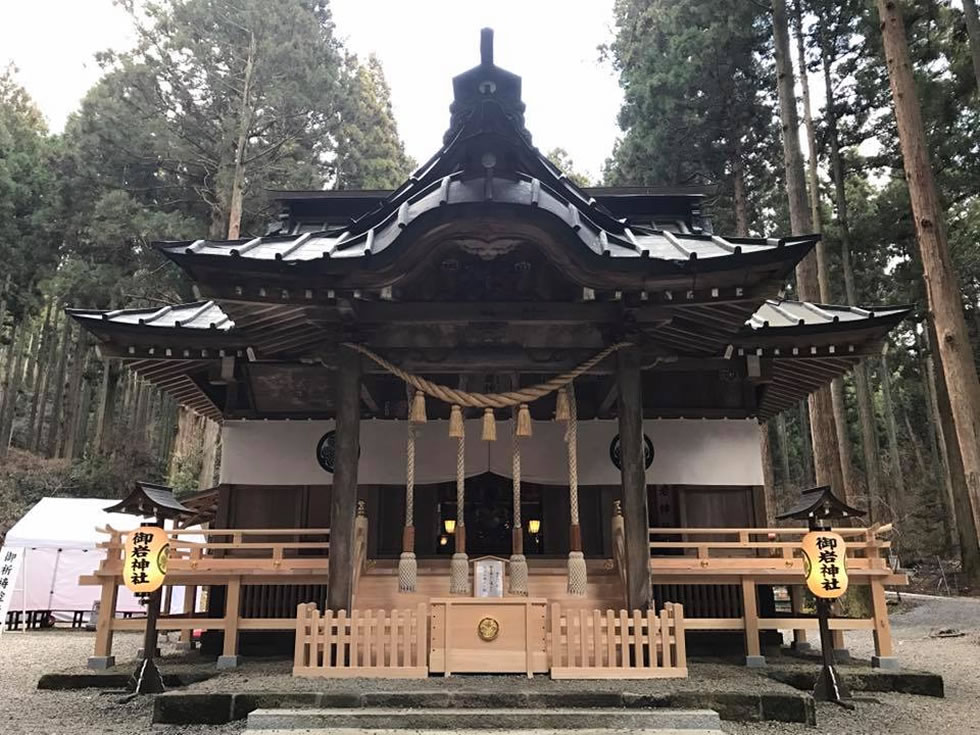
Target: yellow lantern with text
824,564
145,565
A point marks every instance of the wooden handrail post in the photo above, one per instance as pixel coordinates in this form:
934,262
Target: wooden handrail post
102,657
750,615
884,657
796,605
229,658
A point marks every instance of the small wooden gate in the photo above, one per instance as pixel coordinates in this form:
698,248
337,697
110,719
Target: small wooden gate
590,644
368,643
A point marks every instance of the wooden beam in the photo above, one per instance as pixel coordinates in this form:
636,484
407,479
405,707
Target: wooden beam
573,313
347,401
634,487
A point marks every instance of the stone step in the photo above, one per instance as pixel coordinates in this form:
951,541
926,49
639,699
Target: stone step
442,720
533,731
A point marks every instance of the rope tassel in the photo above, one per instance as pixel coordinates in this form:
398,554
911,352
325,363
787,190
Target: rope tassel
561,406
456,422
489,426
523,421
417,413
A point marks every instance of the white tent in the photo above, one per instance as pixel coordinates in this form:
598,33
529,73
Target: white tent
59,539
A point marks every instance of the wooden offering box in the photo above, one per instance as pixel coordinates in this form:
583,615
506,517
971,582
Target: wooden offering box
487,635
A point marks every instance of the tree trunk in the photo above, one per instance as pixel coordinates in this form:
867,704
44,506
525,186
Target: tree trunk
40,371
827,464
973,31
937,422
806,434
11,383
896,498
784,453
942,286
74,399
862,389
823,278
102,441
58,389
37,427
244,126
966,527
848,489
739,194
938,468
768,483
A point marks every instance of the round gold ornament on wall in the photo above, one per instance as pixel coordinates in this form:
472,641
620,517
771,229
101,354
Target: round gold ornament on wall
487,629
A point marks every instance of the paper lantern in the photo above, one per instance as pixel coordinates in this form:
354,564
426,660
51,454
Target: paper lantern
145,565
533,526
824,564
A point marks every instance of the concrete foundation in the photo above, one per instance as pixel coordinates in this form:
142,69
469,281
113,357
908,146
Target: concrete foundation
101,663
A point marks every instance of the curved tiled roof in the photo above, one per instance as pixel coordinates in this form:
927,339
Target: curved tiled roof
775,314
784,313
193,315
630,242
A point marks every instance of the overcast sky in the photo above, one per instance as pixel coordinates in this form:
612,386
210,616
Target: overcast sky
572,99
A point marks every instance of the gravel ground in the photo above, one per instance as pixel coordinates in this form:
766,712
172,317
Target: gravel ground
25,656
956,659
26,711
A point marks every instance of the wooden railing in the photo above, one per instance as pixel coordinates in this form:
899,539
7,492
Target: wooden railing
618,645
741,559
276,566
366,643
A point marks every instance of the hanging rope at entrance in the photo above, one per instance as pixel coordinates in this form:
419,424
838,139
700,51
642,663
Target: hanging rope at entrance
459,567
518,562
565,410
488,401
407,565
577,573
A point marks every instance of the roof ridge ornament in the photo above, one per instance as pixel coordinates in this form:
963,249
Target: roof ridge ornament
486,47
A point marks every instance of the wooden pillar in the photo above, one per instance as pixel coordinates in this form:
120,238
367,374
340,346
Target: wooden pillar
103,658
343,503
750,612
634,484
796,600
884,656
229,656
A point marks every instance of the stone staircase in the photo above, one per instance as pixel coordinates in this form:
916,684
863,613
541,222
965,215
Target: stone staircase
381,721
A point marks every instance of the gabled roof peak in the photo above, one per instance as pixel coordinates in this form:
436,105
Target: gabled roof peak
484,90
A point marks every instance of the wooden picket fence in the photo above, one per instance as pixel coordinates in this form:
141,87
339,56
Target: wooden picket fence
587,644
368,643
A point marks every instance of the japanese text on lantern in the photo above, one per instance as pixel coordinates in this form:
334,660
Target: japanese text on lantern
146,559
824,564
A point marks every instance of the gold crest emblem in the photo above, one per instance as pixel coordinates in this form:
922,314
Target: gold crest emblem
487,629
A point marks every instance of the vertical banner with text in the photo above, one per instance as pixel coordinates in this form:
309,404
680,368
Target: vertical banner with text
10,559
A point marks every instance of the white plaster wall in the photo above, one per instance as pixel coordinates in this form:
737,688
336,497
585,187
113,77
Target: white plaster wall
692,452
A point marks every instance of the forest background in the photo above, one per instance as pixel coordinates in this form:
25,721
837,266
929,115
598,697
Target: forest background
189,131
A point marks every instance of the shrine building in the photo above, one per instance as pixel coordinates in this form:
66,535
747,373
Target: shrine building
492,389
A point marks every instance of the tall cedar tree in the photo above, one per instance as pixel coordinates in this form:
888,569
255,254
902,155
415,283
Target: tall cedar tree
370,155
823,428
945,299
249,91
692,111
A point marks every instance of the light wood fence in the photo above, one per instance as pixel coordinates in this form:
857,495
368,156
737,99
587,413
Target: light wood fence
368,643
736,561
590,644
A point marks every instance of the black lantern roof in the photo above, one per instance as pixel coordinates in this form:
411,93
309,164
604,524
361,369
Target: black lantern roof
820,503
149,500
